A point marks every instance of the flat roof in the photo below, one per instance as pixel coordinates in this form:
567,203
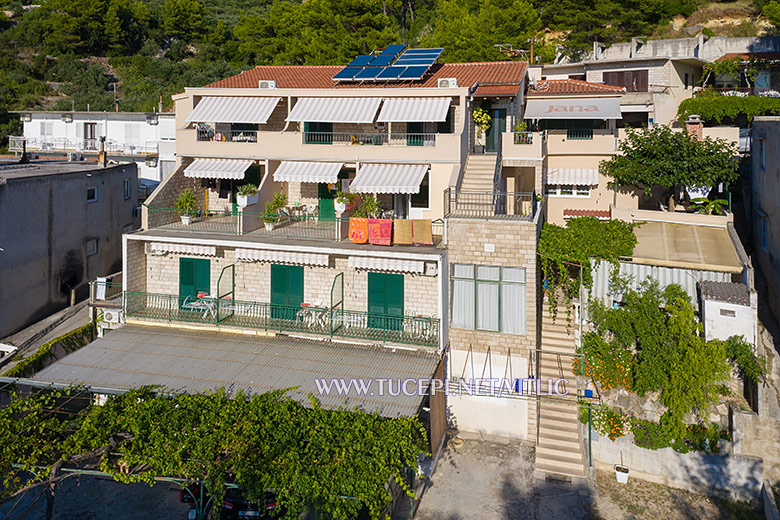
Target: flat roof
11,169
91,113
689,246
185,360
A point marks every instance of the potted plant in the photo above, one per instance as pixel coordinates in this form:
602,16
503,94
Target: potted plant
706,206
482,121
521,133
621,471
272,207
185,203
369,208
247,194
344,201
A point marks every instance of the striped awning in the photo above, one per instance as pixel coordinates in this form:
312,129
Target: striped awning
373,263
217,168
389,178
281,257
335,110
304,171
233,109
573,176
414,109
184,249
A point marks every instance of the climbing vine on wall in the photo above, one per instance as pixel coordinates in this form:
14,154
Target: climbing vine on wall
563,250
69,342
713,106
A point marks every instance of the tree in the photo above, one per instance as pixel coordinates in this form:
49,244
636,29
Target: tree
184,19
772,12
658,156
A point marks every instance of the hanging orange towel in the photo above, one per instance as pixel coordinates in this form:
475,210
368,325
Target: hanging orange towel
380,231
358,230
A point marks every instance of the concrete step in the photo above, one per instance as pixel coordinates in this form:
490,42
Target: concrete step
565,436
560,422
566,470
559,453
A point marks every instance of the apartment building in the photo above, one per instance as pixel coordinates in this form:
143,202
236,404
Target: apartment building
147,139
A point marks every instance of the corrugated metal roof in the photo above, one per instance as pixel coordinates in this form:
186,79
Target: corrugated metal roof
217,168
305,171
195,361
574,176
573,108
414,109
281,257
233,109
389,178
335,110
386,264
725,292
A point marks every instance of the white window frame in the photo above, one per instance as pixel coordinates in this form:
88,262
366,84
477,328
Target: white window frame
577,190
91,247
95,198
500,282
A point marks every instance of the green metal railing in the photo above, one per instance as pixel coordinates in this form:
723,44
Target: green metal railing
416,330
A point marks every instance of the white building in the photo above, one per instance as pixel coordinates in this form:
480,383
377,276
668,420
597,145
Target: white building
146,138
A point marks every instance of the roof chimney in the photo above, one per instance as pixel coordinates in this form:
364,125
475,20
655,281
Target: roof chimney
694,126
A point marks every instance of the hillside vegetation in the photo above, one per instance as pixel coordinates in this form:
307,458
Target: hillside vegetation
133,54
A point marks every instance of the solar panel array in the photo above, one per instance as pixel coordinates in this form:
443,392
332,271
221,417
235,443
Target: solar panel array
409,66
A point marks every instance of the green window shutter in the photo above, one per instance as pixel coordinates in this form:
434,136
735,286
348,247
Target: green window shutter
376,293
294,285
306,126
202,275
186,277
395,294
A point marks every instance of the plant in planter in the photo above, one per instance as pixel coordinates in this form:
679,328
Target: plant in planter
185,203
272,207
621,471
521,133
344,201
247,194
706,206
482,120
369,208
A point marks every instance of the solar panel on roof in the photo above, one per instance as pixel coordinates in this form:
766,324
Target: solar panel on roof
390,73
436,51
415,72
382,61
347,73
368,73
411,61
393,50
361,61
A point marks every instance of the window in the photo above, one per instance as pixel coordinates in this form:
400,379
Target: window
567,190
728,313
445,127
763,230
92,194
318,133
91,247
686,81
126,188
421,198
762,153
488,298
632,80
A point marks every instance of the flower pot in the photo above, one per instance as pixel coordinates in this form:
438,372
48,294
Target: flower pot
186,219
340,207
269,226
246,200
698,192
621,474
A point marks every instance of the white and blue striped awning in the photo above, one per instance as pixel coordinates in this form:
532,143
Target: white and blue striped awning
389,178
306,171
414,109
335,110
233,109
573,176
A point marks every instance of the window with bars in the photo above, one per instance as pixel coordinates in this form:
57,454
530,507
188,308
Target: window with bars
490,298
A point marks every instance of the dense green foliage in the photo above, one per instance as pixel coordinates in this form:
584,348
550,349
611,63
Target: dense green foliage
563,250
69,342
716,107
656,337
337,461
659,156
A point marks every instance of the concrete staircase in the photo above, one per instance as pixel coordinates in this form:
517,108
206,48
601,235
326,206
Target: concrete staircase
479,173
558,450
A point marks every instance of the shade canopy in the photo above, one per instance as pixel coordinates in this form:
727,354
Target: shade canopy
281,257
335,110
396,265
573,108
233,109
573,176
389,178
304,171
217,168
414,110
184,249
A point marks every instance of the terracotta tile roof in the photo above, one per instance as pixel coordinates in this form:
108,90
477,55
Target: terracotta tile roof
497,90
571,86
745,56
320,76
599,213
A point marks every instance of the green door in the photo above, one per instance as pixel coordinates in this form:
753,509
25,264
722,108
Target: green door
318,133
194,278
497,127
286,291
327,209
385,301
414,134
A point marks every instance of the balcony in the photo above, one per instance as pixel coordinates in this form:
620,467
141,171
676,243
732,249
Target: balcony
321,321
62,144
739,91
489,204
370,138
523,145
244,223
233,136
105,293
581,141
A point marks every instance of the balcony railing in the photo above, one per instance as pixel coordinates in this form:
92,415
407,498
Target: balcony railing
740,91
489,204
370,138
579,134
284,225
415,330
524,138
64,144
233,136
105,293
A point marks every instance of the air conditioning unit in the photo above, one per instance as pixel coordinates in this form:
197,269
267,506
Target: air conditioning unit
448,83
267,84
112,316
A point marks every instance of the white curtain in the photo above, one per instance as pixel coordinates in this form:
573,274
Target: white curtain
463,304
513,308
487,306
